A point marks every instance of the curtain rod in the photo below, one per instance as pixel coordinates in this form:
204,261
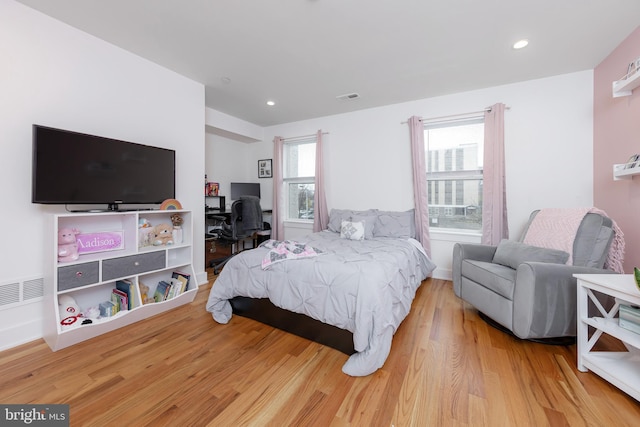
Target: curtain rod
452,116
293,138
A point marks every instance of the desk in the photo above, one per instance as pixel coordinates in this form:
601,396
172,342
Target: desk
215,250
219,249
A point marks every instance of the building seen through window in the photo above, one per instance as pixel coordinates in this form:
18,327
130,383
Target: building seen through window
299,160
454,157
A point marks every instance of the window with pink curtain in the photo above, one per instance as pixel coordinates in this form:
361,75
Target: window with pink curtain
494,205
293,177
416,132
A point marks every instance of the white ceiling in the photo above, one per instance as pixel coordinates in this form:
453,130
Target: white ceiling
302,54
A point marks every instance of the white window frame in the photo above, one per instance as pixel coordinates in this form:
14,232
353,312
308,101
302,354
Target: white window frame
286,181
463,174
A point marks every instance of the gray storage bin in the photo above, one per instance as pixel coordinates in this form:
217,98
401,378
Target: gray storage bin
77,275
132,265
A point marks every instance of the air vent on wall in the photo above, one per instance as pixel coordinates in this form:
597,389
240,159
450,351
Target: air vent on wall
20,292
348,96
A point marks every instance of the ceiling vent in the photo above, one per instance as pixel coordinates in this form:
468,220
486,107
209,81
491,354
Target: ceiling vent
348,96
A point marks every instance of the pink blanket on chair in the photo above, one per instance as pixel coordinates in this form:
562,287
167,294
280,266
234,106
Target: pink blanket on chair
557,228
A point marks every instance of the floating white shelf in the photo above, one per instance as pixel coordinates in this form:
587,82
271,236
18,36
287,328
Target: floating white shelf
625,86
620,173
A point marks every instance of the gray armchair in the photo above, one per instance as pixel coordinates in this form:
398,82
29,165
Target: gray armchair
526,290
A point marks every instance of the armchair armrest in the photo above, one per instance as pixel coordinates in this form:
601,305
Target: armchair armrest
544,299
463,251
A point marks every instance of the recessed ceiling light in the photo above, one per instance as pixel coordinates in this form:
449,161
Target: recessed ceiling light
520,44
271,103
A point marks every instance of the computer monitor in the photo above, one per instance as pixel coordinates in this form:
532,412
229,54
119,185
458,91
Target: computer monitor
244,189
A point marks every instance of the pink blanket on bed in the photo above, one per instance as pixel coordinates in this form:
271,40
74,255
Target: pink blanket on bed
557,228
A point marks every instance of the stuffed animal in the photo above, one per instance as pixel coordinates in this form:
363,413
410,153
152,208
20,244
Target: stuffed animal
144,294
70,314
162,235
176,220
67,244
90,314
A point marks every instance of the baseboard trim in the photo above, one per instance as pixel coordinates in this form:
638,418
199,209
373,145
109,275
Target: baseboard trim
20,333
442,274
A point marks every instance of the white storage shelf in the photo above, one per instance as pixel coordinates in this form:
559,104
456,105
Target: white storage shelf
622,171
625,86
621,369
91,279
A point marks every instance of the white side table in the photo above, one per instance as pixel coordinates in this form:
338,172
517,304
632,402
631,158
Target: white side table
621,369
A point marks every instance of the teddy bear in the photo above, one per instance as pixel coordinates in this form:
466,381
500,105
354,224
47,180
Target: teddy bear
144,294
67,244
162,235
70,314
176,220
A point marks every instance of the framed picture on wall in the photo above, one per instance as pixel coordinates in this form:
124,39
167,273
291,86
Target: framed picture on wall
211,189
264,168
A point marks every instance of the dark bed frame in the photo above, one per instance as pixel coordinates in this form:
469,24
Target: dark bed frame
263,310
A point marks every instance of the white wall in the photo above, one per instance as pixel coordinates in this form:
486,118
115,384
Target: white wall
55,75
228,160
549,150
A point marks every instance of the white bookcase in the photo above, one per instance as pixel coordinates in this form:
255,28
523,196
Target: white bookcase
90,279
622,369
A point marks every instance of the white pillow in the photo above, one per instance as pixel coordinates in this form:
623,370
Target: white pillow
352,230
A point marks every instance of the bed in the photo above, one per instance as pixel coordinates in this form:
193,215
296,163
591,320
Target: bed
360,275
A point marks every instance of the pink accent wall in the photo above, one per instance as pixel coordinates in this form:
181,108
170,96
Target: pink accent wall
616,133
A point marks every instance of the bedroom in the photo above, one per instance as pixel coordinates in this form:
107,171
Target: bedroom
96,80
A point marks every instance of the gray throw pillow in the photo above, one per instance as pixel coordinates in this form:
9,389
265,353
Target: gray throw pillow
512,254
337,215
395,224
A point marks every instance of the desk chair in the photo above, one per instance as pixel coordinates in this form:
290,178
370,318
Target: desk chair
245,222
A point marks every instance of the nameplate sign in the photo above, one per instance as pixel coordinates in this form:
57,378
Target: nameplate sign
100,241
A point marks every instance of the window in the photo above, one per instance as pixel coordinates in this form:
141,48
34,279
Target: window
454,155
299,170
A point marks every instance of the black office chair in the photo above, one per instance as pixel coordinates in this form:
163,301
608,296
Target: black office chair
246,220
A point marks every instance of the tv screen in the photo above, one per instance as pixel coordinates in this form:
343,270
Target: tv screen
76,168
244,189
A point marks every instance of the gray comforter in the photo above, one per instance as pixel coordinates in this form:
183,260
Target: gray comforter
365,287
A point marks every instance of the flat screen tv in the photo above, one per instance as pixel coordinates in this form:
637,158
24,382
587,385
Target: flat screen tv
80,169
244,189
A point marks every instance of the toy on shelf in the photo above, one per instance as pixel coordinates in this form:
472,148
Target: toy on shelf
144,294
67,244
90,314
69,311
162,235
145,233
176,220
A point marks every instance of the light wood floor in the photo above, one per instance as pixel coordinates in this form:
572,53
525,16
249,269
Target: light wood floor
447,368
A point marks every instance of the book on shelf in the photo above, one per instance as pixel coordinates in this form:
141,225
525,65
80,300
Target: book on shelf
129,288
108,309
628,325
162,291
629,317
176,286
120,298
183,278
